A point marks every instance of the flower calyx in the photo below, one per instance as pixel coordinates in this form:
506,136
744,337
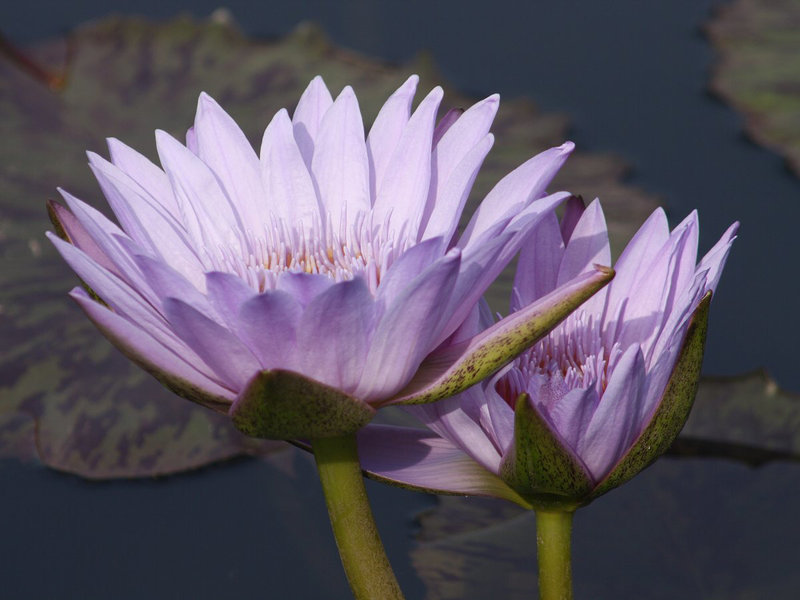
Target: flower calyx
284,405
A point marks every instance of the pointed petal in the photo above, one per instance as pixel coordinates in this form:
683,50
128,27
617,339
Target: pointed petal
334,333
313,104
69,229
403,333
486,256
637,258
419,460
524,184
169,368
645,311
403,191
205,209
539,259
145,173
225,149
685,258
588,245
462,135
128,303
147,223
387,130
114,292
106,235
191,140
448,203
445,123
673,410
457,419
407,266
568,411
573,210
447,372
469,131
217,346
303,287
613,425
715,259
268,324
340,164
121,199
288,188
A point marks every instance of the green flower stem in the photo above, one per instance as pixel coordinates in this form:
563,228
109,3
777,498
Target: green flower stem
553,536
360,547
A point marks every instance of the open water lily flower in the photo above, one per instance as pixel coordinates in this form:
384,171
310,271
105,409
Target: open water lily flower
301,288
592,403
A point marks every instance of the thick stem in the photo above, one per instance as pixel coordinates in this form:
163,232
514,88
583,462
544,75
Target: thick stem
360,547
553,535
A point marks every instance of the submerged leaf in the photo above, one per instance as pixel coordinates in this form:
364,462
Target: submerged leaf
746,418
758,71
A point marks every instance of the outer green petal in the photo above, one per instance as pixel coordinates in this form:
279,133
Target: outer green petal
455,369
539,466
672,411
283,405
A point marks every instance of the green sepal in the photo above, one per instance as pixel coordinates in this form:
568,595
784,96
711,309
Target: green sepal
539,467
283,405
457,368
673,410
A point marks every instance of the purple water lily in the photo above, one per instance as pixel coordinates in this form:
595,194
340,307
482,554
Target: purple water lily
593,402
305,286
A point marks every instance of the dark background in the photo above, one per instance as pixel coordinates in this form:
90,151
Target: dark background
632,76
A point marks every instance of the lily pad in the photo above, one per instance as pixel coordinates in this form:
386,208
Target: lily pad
747,418
66,396
758,70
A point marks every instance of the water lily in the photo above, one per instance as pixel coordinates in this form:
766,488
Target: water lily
597,399
587,407
305,286
302,288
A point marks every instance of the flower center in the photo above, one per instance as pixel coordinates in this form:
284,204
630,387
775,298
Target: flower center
358,249
572,355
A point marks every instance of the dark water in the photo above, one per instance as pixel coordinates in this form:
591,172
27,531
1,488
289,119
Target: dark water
633,80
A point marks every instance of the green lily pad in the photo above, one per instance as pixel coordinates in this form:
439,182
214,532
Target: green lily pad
747,418
758,70
66,396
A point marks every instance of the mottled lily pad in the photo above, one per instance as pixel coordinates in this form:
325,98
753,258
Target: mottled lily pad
66,396
758,70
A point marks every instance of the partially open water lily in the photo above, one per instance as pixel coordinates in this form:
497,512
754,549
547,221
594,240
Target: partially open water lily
594,402
301,288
